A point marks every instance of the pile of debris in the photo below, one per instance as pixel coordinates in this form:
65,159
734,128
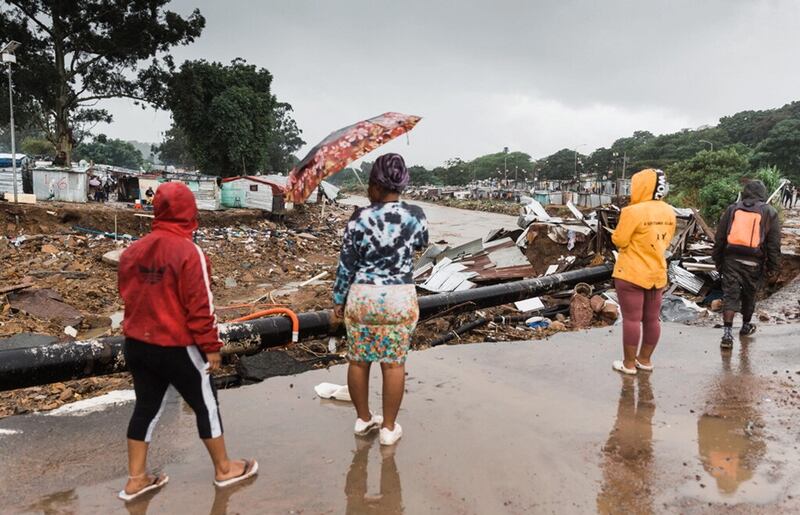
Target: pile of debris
553,242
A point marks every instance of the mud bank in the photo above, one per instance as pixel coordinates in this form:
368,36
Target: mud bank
532,427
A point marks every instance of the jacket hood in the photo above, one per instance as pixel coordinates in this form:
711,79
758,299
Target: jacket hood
175,209
649,184
754,191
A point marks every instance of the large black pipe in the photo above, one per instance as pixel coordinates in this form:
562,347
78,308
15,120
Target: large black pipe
22,366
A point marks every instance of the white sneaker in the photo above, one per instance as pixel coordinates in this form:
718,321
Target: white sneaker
364,428
391,437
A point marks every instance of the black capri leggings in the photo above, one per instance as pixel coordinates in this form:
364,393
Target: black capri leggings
154,368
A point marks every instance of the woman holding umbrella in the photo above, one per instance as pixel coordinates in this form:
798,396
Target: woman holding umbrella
374,293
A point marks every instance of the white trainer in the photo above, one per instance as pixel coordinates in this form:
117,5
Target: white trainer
363,428
391,437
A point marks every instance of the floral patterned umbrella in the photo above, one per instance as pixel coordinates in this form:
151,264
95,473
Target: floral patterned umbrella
343,147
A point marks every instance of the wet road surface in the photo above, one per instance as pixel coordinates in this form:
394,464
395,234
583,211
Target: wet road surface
456,226
532,427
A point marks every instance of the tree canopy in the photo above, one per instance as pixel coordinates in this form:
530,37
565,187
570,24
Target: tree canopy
75,54
110,152
231,121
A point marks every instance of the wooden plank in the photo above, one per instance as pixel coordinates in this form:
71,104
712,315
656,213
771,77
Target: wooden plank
703,225
16,287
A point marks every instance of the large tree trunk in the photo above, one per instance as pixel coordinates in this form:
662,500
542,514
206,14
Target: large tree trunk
63,138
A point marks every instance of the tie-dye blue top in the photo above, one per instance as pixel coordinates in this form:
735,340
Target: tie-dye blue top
379,245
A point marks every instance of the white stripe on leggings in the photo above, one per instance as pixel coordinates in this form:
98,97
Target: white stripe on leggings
149,435
208,393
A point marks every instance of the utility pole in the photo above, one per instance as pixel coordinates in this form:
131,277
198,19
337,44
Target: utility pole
9,58
505,166
624,164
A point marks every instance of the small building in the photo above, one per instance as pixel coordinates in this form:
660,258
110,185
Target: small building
205,188
61,184
283,180
252,192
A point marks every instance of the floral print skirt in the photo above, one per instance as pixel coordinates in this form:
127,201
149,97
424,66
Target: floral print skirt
380,321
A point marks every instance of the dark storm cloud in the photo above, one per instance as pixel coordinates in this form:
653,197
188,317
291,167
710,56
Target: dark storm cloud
533,75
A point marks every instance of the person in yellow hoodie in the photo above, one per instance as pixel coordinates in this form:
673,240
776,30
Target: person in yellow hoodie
644,232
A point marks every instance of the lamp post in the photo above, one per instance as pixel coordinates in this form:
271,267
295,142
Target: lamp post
706,141
9,58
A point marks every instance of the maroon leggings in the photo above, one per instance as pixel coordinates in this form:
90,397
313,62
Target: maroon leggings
640,313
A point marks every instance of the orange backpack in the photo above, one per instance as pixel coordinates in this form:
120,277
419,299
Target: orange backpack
744,230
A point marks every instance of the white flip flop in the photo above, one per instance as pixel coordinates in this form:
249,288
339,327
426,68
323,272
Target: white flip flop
250,470
619,366
646,368
159,482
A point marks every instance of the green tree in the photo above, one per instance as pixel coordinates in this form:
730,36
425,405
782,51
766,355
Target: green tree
232,122
716,196
33,146
781,148
561,165
114,152
74,54
771,176
174,150
421,176
707,167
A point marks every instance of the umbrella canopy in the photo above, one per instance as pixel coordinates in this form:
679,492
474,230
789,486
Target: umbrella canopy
343,147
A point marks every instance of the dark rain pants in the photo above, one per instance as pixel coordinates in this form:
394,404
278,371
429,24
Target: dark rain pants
740,285
154,368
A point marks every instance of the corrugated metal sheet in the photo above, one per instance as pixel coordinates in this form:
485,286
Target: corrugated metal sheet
7,181
684,278
60,184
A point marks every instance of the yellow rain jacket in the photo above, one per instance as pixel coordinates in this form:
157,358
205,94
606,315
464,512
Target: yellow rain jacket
644,232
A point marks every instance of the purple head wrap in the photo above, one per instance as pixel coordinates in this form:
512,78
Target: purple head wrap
390,172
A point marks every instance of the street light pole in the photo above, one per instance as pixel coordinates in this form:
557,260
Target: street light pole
706,141
9,58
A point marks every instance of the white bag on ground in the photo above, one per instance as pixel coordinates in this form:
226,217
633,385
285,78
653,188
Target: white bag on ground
333,391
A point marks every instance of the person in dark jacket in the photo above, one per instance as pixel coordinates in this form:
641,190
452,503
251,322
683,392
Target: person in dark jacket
747,248
171,338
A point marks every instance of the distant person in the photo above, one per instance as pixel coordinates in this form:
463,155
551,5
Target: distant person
375,295
787,194
746,248
149,194
171,338
645,230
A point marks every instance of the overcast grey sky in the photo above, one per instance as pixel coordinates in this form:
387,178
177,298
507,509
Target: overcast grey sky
536,75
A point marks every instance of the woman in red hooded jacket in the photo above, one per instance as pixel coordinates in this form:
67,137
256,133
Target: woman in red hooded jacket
171,337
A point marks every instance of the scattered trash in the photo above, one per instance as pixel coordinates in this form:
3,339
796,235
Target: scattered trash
112,257
679,309
71,331
529,305
538,322
333,391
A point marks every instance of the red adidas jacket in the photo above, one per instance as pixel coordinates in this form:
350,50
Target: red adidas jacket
164,278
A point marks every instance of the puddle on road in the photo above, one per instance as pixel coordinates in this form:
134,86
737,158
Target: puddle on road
490,428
